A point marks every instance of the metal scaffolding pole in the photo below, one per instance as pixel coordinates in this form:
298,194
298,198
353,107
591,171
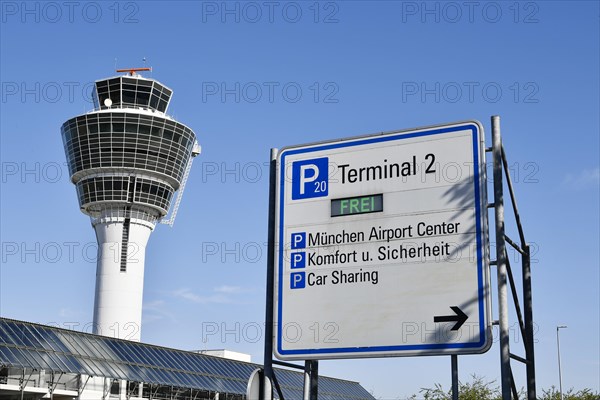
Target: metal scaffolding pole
529,328
501,261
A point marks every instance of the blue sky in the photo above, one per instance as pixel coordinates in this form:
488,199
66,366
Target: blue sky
247,77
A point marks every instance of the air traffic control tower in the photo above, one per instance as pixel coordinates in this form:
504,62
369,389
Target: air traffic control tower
127,159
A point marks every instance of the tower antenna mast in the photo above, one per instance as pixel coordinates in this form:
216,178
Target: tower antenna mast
132,71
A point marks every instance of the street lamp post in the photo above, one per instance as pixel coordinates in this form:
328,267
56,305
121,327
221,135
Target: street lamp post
559,370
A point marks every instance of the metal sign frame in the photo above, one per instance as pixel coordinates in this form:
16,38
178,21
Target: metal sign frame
505,276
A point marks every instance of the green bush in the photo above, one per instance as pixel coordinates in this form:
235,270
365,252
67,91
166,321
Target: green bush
479,389
585,394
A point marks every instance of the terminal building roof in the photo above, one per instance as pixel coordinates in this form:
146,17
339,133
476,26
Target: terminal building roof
30,346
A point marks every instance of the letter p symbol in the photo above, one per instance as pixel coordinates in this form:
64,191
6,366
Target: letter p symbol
297,280
298,260
299,240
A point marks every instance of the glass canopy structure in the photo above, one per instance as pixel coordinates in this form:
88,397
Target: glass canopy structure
68,359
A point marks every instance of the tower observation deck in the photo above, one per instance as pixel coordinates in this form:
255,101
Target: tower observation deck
127,159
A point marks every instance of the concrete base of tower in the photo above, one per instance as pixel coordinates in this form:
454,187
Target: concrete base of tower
120,276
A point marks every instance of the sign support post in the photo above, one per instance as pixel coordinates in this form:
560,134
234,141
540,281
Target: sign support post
525,320
454,361
529,330
311,380
306,394
314,379
501,260
267,391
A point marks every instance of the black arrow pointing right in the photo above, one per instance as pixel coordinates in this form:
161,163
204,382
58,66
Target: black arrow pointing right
459,318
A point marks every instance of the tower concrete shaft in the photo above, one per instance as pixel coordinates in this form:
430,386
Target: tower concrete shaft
120,276
127,158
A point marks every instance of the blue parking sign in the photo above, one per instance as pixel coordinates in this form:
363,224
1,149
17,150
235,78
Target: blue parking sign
310,178
298,240
298,260
297,280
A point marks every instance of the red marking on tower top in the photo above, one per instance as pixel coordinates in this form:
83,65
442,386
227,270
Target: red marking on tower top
132,71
